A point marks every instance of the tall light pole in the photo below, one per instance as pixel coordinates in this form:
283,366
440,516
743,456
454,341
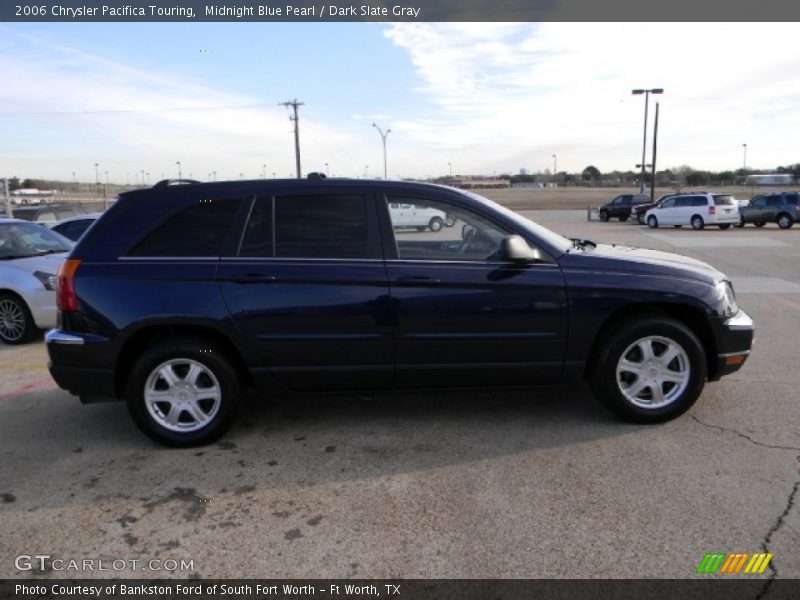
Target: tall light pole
177,162
383,138
555,169
744,160
644,139
263,171
450,166
97,178
327,169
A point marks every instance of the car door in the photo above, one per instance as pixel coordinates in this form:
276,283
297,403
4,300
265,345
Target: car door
464,317
773,207
757,209
666,212
307,288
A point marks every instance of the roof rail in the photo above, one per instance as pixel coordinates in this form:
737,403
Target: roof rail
171,182
316,176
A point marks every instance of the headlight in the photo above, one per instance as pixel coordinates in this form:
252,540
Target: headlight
727,297
48,280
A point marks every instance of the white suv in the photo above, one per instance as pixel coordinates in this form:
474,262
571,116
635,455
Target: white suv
697,210
421,217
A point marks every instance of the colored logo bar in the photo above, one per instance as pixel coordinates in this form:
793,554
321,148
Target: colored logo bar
734,563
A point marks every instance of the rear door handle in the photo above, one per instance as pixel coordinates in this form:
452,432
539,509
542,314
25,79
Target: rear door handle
417,279
250,278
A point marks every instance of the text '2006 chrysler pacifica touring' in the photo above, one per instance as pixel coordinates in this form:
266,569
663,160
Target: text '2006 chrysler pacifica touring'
185,294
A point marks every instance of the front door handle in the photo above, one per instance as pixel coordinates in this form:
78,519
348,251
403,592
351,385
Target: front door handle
251,278
417,279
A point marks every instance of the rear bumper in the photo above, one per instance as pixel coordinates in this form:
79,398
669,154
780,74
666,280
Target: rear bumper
734,340
75,367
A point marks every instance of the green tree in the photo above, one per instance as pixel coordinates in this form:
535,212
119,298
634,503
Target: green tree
591,173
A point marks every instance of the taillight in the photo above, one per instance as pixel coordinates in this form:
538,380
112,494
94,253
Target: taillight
66,299
712,209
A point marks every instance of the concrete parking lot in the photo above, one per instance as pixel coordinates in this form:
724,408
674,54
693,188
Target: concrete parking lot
530,483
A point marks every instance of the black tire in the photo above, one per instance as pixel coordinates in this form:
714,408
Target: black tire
725,226
421,228
436,224
603,215
16,322
697,222
622,343
784,221
623,219
652,222
180,353
640,219
740,224
450,220
760,223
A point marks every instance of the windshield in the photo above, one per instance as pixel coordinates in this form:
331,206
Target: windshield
559,242
20,240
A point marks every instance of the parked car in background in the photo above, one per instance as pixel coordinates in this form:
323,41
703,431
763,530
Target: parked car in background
418,217
697,210
30,256
73,228
49,214
181,297
638,211
620,207
782,208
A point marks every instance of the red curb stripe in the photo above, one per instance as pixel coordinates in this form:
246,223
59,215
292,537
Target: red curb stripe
31,387
784,301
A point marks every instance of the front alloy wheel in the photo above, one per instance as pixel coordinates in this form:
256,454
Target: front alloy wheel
16,322
650,370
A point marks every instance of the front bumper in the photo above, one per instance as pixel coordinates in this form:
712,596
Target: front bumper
733,337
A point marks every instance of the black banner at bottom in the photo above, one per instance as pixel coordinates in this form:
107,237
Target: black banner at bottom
396,589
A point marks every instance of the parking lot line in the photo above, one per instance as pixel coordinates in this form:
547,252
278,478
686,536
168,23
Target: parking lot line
784,301
31,387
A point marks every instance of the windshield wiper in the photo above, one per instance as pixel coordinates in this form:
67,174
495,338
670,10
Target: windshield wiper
44,252
582,244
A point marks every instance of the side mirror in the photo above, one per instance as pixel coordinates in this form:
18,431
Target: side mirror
515,249
468,231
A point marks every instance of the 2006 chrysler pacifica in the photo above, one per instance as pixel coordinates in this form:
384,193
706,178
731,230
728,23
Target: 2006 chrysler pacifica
183,295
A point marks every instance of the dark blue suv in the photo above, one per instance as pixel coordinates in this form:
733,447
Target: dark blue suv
183,295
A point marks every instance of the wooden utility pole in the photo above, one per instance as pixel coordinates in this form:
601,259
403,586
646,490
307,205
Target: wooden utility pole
295,104
9,209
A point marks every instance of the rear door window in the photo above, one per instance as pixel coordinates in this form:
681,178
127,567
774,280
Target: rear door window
198,230
324,226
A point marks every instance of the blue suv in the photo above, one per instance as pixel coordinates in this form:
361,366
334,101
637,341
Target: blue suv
183,295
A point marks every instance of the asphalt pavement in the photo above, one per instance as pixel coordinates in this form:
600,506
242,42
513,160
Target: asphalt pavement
530,483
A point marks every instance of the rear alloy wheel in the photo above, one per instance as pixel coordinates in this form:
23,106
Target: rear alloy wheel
650,370
725,226
603,215
183,393
436,224
652,222
623,219
640,219
16,322
697,222
784,221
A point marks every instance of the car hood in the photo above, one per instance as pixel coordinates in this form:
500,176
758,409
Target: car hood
611,257
49,263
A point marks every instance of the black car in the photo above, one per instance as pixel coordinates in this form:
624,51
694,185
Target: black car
782,208
182,296
620,207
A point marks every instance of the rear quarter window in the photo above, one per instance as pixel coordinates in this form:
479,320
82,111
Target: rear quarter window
198,230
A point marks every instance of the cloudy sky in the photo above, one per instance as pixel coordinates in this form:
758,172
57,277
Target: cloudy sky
487,98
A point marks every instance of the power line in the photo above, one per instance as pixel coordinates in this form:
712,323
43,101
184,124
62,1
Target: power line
295,104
